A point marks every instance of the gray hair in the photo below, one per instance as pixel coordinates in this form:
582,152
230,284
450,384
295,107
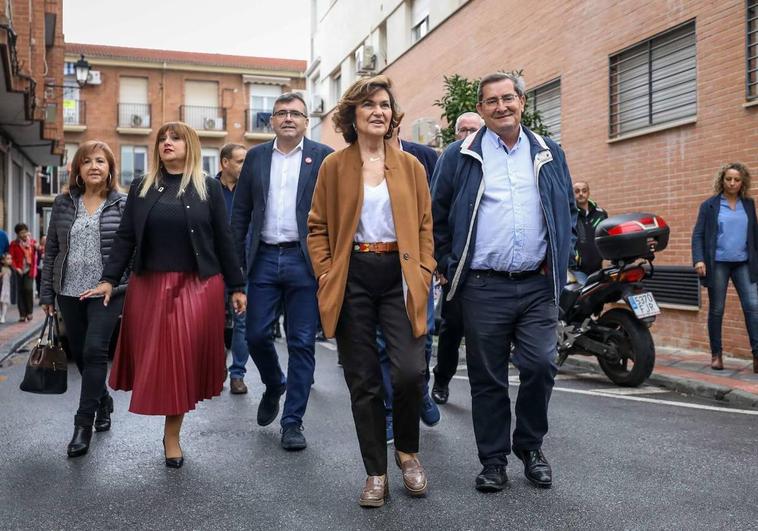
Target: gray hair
292,96
468,115
514,77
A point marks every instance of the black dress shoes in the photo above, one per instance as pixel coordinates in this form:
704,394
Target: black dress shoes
80,441
103,414
492,478
268,409
440,393
172,462
536,468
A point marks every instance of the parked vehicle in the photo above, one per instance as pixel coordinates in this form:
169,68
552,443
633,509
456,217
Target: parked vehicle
618,336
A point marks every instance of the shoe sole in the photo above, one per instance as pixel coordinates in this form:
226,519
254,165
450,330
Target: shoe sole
490,488
429,424
77,453
295,447
267,421
238,392
100,429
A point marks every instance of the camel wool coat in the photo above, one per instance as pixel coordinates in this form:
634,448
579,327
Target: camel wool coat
333,221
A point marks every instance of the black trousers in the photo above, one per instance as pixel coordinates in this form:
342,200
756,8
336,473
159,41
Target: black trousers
25,294
374,296
89,328
497,312
449,340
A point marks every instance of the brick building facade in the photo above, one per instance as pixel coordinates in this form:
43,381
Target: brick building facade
653,96
132,91
31,131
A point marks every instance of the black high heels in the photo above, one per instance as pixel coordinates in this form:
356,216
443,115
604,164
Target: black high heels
79,444
103,414
172,462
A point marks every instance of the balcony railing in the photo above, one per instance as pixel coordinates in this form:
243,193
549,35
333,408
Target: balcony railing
258,121
134,115
204,118
74,112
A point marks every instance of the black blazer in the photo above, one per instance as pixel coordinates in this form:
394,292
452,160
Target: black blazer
251,194
706,232
425,155
206,224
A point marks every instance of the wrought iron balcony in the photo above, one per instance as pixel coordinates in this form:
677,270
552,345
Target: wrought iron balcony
134,115
204,118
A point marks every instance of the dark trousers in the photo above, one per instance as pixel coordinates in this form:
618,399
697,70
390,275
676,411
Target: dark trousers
89,328
283,273
747,291
449,340
25,294
374,296
497,312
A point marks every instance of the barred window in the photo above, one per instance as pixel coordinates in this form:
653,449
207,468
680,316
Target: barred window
654,82
752,49
546,100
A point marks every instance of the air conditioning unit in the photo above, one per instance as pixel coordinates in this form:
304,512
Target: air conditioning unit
213,124
317,104
93,78
135,120
365,60
426,131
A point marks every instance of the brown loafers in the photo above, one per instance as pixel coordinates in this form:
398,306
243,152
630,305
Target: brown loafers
414,477
374,492
717,363
237,386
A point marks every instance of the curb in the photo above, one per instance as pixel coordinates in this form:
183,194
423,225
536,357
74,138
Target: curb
690,386
19,342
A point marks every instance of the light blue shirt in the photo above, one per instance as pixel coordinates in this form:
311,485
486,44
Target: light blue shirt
731,243
510,231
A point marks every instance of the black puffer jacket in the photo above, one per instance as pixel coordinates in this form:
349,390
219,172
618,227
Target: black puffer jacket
56,251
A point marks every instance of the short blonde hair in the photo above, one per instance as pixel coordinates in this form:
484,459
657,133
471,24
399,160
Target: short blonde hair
193,165
718,181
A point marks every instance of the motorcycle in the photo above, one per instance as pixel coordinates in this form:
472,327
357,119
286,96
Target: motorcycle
619,337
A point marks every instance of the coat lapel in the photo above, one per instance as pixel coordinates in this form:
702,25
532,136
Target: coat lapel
265,177
306,170
351,181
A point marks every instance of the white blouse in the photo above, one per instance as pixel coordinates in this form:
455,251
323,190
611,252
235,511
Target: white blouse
376,224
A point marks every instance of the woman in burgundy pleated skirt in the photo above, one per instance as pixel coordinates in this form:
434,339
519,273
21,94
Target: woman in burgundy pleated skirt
174,230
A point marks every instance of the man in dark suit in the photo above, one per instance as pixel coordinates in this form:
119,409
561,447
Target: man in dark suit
276,188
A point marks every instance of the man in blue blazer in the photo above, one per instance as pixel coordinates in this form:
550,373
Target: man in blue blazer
274,197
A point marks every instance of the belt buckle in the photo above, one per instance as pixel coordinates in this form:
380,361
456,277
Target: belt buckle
361,247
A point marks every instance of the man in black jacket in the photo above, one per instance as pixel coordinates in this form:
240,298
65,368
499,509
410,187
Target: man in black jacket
590,215
272,200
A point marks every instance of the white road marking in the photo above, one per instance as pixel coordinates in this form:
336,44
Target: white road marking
645,390
606,394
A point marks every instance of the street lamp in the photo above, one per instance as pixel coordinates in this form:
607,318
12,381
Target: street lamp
82,68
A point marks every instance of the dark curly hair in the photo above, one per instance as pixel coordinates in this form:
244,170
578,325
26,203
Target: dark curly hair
344,115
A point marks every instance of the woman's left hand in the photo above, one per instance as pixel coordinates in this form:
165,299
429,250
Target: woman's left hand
239,302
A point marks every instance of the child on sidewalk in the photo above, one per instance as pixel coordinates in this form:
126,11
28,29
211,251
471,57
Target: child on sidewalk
5,285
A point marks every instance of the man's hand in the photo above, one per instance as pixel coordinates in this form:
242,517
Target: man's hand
700,268
440,278
239,302
104,289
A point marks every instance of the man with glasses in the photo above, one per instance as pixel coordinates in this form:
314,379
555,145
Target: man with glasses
466,124
503,210
273,197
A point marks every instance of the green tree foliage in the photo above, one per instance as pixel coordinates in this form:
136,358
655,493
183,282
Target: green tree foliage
460,96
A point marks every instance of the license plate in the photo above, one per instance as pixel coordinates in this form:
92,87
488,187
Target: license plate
643,305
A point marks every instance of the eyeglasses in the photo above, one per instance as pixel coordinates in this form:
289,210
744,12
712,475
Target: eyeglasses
292,114
467,130
505,98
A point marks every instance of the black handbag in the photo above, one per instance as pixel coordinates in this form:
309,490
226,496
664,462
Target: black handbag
46,370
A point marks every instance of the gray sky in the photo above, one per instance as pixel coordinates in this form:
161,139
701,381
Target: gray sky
238,27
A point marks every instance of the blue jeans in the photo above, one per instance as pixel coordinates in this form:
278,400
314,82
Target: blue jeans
748,294
282,273
384,359
239,349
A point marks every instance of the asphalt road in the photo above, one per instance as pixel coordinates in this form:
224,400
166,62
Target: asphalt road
649,460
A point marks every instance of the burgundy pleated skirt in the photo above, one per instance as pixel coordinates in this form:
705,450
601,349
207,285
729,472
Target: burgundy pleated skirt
170,350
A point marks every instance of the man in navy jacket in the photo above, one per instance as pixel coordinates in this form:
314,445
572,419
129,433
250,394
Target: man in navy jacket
276,188
504,217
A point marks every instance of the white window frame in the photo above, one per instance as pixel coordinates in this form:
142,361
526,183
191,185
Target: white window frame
128,152
211,161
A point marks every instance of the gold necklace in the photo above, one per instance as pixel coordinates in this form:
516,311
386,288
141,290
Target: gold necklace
374,159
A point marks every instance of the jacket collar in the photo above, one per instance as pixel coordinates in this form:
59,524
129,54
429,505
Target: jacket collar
472,144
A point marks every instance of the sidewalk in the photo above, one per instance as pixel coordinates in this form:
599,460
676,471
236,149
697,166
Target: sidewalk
690,373
14,334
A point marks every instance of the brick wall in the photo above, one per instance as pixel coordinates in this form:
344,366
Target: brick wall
668,172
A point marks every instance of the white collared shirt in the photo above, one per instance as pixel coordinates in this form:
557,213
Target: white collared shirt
280,219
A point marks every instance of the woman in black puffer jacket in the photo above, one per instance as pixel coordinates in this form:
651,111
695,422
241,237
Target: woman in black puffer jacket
82,227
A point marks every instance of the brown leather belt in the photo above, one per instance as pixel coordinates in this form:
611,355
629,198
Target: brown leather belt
380,247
